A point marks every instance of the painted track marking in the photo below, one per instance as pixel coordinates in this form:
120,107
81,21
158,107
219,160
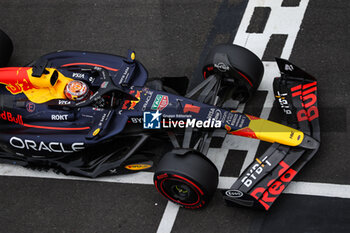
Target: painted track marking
146,178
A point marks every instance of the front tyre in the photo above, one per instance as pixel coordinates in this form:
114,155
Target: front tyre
189,180
238,65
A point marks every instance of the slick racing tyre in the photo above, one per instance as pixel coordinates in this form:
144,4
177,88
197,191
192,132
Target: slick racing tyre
6,48
189,180
238,67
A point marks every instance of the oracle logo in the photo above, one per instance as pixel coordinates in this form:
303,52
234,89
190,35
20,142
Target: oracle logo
57,147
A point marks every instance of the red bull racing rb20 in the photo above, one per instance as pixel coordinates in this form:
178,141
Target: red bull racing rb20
94,114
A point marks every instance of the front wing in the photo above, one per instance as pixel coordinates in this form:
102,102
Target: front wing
265,179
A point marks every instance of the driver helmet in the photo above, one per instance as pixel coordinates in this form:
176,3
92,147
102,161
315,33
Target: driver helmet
76,90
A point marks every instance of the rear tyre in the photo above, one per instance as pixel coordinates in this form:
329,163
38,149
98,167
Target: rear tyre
189,180
6,48
237,66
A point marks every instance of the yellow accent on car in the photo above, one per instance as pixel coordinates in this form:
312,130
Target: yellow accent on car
47,87
258,160
137,166
273,132
97,131
133,56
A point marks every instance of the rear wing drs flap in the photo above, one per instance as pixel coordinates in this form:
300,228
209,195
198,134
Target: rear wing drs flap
267,176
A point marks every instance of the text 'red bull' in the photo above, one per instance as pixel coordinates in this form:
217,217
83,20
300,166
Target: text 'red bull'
307,94
275,187
7,116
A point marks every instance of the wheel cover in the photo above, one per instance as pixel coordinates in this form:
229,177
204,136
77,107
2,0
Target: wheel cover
180,191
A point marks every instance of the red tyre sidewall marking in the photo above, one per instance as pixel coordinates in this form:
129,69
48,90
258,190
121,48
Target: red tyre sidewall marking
180,178
246,78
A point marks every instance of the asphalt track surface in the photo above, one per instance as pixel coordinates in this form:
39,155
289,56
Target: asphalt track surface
171,39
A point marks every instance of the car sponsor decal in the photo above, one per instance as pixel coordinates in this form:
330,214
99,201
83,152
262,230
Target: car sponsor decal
64,102
58,117
191,108
57,147
149,95
138,166
125,76
222,67
78,75
30,107
97,131
16,80
104,84
130,104
89,64
307,95
7,116
267,195
234,193
285,106
160,102
255,171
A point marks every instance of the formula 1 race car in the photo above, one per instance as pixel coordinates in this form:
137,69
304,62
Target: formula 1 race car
93,114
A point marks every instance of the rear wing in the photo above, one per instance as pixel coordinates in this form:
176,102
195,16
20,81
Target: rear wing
265,179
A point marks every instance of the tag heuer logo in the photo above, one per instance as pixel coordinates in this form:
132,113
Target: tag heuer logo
160,102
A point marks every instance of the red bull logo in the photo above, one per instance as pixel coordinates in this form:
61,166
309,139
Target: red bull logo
132,103
16,79
7,116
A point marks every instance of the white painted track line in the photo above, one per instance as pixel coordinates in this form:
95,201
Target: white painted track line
303,188
296,187
169,217
17,171
319,189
